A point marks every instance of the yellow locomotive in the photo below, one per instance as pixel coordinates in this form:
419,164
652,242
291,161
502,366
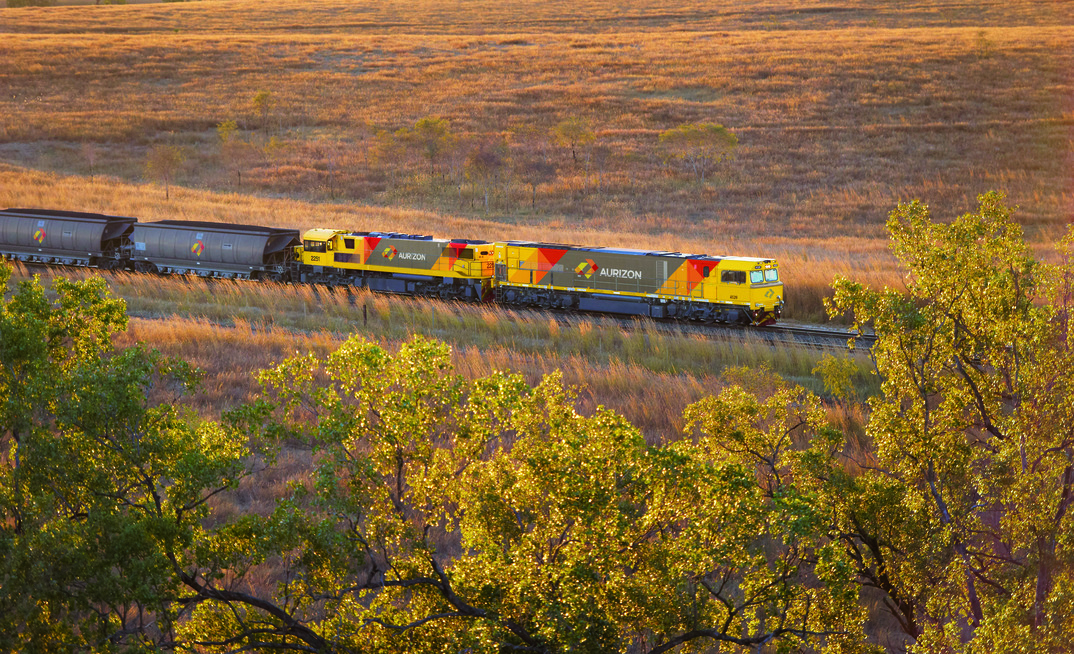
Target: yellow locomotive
397,263
639,282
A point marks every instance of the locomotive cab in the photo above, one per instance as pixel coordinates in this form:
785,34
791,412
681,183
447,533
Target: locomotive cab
318,246
751,284
766,291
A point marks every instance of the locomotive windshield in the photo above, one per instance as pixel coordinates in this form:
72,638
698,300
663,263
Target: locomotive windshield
756,276
771,275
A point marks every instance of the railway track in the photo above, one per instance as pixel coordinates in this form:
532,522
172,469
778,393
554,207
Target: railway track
819,336
798,335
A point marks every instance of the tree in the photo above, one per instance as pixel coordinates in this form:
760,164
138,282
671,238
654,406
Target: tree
387,153
164,163
963,522
234,151
226,130
103,483
529,154
431,136
573,133
601,154
263,103
447,514
274,151
699,146
536,170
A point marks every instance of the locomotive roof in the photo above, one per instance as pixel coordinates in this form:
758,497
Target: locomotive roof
630,251
326,233
67,215
221,227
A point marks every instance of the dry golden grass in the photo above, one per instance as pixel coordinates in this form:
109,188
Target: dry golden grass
556,16
842,110
620,376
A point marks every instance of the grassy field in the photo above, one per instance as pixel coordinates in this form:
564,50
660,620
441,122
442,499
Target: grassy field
841,110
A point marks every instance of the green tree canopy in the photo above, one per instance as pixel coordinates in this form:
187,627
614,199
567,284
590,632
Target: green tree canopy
963,519
573,133
104,482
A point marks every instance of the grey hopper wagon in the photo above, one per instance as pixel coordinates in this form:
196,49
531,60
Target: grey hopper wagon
64,237
213,249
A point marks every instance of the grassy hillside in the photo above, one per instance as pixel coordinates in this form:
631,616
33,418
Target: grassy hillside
841,110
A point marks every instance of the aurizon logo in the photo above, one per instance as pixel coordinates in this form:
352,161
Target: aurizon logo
413,256
39,235
586,268
621,273
197,248
389,253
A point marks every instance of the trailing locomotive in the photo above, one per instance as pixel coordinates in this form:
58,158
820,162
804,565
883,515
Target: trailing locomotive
397,263
632,282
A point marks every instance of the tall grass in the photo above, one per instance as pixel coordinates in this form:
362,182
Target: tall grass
617,373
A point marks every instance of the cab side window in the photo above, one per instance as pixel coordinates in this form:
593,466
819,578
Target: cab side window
348,243
733,276
466,254
315,246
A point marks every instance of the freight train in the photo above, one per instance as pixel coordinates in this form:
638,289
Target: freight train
656,284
